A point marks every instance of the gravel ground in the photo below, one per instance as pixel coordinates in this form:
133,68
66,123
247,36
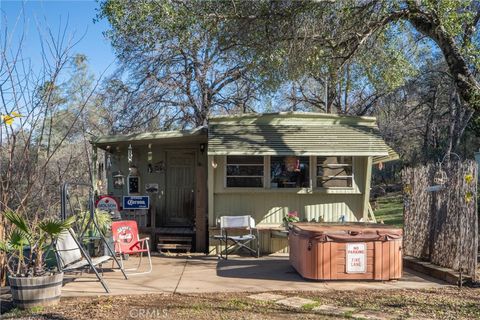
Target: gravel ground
448,303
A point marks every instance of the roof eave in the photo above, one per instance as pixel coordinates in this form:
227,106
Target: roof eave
148,136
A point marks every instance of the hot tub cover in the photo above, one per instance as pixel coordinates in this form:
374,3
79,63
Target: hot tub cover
347,232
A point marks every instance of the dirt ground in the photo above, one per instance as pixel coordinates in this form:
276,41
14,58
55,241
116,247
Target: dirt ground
446,303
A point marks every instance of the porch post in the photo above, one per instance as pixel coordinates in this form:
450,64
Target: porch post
94,169
210,190
366,192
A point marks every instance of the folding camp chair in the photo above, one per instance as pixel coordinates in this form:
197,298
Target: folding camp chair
127,241
71,256
231,223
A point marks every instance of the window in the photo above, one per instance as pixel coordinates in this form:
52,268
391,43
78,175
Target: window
244,172
289,172
335,172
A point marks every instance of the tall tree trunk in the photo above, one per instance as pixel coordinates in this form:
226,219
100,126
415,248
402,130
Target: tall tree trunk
467,86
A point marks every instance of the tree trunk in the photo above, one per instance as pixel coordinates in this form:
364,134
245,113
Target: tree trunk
467,86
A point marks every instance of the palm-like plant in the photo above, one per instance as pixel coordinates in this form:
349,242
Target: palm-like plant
103,219
37,236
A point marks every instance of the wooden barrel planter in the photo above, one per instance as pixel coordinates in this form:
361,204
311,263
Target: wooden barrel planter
29,292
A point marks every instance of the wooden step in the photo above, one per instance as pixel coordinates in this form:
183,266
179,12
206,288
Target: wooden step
173,238
173,246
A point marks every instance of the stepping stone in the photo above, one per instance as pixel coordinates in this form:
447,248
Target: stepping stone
333,310
295,302
266,297
372,315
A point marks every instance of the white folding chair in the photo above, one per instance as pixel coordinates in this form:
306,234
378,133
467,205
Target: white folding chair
72,257
237,223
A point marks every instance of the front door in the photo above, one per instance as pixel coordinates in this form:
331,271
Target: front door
180,188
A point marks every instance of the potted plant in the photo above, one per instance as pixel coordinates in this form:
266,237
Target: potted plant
291,217
92,234
27,244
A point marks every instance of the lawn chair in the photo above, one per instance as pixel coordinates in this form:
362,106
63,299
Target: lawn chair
72,257
127,242
245,223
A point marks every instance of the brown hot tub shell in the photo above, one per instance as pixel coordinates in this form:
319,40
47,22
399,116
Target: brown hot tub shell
319,251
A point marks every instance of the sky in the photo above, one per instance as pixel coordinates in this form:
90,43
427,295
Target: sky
27,17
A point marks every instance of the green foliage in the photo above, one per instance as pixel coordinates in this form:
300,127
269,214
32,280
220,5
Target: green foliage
288,40
37,236
18,220
102,218
174,71
390,210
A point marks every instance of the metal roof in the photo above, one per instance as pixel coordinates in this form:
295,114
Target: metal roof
151,137
295,134
392,155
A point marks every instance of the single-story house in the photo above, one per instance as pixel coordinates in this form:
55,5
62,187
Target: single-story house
263,165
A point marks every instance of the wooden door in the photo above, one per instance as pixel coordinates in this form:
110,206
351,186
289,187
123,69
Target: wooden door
180,189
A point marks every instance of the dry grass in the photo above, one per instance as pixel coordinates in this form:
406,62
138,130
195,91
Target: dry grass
448,303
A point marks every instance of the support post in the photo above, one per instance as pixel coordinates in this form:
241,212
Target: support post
210,190
94,169
366,187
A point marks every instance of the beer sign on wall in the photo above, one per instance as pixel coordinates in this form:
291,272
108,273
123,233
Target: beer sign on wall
108,204
356,257
136,202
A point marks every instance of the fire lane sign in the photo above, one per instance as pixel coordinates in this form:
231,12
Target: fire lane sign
136,202
356,257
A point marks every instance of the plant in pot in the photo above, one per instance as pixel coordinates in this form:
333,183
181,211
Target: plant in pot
27,244
91,234
291,217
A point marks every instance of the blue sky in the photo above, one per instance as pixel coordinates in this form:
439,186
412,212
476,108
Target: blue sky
54,14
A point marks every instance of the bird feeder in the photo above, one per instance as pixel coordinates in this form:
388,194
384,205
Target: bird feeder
439,179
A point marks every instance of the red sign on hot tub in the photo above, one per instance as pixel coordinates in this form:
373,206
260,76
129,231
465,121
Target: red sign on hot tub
356,257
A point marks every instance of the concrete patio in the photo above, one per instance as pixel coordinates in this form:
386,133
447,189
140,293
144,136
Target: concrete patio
201,274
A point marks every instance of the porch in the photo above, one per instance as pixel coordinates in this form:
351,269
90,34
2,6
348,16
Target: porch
168,169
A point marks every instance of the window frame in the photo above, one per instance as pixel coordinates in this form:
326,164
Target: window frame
335,166
313,181
226,176
309,173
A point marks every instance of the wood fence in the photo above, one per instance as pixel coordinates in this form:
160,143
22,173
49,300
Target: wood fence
442,226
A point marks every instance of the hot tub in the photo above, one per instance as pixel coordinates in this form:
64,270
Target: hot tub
351,251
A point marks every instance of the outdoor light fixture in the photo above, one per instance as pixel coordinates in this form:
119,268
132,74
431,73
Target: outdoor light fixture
202,147
118,180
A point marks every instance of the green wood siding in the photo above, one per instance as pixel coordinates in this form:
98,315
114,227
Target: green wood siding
269,206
